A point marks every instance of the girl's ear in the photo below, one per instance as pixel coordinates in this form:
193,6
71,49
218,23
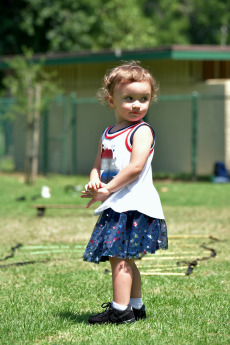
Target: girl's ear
110,101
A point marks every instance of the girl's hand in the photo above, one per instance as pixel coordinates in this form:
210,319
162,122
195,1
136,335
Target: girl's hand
94,185
95,195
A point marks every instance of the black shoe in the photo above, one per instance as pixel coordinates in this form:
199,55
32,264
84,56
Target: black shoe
140,313
112,315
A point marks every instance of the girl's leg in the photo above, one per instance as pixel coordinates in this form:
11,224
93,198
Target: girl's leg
126,280
122,276
136,284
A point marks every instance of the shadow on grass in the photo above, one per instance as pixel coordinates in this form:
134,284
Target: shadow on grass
75,318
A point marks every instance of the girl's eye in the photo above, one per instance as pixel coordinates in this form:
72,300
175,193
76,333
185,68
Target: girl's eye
131,99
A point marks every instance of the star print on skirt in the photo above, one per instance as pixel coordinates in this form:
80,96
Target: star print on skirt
128,235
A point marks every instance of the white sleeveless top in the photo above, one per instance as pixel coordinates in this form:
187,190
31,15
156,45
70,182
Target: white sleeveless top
139,195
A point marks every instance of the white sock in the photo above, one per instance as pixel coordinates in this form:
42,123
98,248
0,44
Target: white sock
119,306
136,303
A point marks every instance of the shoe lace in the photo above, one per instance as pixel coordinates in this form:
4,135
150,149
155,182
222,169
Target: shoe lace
107,305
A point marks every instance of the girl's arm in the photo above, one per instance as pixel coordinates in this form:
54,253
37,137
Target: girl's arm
142,141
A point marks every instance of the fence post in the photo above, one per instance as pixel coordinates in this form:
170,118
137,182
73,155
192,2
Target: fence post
74,132
64,156
195,96
45,141
146,118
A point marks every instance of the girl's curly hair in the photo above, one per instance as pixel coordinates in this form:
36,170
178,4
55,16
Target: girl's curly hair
128,72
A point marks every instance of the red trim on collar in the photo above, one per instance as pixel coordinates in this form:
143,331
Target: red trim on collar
114,135
127,140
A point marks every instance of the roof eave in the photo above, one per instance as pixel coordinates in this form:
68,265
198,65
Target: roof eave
174,52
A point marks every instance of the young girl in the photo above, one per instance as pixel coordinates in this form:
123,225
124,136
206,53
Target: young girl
131,221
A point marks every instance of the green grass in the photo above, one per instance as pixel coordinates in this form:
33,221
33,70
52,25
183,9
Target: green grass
49,302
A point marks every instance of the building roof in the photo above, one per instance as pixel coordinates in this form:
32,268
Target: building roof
173,52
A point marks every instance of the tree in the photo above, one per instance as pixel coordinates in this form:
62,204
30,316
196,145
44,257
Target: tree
32,89
168,17
189,21
70,25
85,25
11,35
206,21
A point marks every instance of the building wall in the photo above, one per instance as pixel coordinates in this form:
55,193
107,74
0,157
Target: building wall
172,120
85,79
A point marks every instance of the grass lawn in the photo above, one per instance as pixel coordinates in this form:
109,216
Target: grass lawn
49,298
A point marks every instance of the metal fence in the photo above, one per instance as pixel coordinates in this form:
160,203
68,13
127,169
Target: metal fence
6,130
61,127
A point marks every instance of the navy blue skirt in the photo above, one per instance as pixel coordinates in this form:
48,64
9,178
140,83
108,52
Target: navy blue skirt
126,235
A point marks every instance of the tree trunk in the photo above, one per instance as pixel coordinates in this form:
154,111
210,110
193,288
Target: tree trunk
29,125
36,134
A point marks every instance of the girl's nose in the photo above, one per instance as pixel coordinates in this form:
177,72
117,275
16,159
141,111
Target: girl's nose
136,105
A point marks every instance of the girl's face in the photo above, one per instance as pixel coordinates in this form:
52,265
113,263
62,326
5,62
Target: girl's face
131,101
